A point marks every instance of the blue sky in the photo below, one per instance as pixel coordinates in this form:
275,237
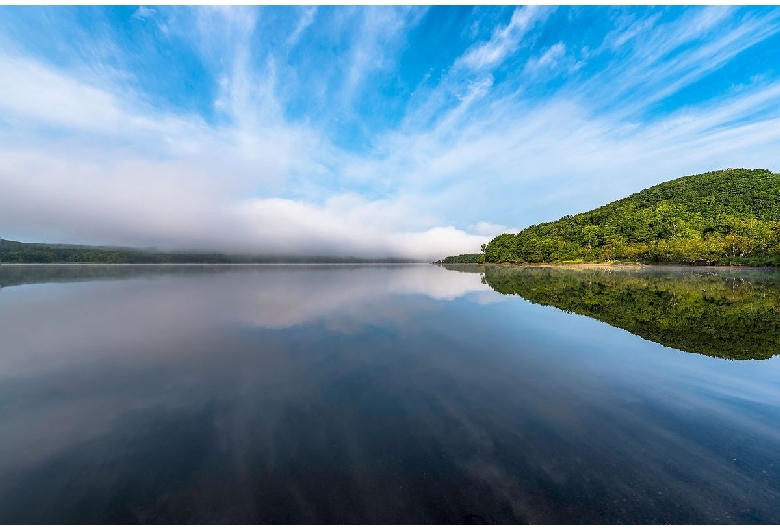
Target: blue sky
416,131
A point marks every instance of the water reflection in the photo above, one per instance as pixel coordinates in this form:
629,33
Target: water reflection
395,278
360,394
727,313
161,303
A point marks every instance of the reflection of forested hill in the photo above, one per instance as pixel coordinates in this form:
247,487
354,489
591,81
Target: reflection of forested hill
11,275
728,314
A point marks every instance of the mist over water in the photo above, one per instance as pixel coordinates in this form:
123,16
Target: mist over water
365,394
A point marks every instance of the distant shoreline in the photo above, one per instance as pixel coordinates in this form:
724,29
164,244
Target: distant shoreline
272,264
17,252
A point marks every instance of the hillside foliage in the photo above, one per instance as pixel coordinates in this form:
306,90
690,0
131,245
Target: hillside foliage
723,217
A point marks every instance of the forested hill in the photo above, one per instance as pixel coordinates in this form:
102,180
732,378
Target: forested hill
17,252
724,217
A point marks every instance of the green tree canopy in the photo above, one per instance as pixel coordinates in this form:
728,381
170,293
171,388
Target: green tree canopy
722,217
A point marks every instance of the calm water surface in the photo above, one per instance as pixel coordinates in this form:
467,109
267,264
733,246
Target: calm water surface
387,394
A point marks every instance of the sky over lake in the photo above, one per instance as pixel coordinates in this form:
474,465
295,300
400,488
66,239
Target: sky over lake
368,131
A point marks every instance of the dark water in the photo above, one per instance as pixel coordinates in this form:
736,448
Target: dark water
388,394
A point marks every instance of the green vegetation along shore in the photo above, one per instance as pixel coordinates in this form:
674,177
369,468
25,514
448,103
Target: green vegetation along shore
727,217
16,252
731,314
462,258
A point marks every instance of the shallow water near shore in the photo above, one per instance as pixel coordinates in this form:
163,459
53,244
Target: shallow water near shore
388,394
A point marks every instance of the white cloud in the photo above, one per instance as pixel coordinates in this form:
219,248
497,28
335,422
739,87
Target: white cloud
143,12
622,36
306,20
380,30
548,60
492,230
504,40
663,60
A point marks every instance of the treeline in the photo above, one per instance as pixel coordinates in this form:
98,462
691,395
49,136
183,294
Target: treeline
462,258
728,217
719,315
16,252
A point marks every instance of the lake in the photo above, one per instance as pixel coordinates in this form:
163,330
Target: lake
388,394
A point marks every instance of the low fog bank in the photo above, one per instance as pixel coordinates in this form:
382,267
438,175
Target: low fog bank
191,211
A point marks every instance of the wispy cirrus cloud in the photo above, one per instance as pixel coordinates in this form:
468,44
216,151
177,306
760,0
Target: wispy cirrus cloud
505,39
143,12
307,17
548,59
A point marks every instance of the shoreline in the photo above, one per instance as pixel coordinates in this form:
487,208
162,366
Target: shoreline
623,266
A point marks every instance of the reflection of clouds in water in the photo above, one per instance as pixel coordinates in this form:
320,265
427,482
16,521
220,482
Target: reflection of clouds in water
440,284
450,414
489,297
287,299
82,319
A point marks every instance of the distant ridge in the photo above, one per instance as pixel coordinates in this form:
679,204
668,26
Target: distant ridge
17,252
726,217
